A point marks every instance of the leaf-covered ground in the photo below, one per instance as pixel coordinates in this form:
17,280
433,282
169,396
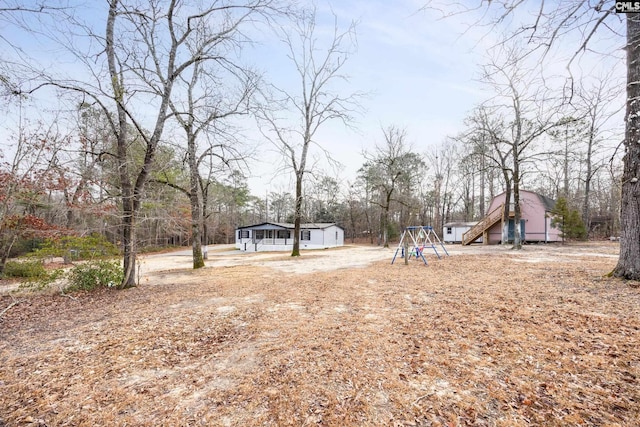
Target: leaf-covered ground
481,338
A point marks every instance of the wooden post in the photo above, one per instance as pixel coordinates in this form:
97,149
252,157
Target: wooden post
406,252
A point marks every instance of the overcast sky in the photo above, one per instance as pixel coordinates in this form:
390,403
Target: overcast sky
422,73
417,70
419,73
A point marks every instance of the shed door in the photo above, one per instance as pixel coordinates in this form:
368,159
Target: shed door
522,230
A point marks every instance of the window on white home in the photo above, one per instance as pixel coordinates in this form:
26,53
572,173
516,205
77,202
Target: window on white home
449,230
244,234
305,235
283,234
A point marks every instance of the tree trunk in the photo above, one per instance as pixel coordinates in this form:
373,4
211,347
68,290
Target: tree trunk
437,201
385,220
507,208
297,216
352,220
194,197
629,261
565,190
70,217
517,238
128,205
204,190
385,227
588,176
128,245
367,215
483,178
6,251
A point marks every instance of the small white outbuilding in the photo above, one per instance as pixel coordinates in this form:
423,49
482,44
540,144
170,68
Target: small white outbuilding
452,231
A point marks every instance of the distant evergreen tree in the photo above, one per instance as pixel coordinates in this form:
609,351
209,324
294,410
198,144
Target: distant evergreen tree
568,221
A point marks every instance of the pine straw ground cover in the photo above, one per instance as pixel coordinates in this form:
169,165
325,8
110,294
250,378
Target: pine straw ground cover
496,339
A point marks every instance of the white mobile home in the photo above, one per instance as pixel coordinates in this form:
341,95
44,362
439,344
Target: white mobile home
275,236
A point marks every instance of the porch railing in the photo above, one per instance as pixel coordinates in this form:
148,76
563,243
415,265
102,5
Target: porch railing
271,242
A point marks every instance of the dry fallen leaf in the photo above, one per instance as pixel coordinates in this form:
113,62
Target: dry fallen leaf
485,337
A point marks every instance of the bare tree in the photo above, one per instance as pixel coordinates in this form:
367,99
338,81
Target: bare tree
490,129
316,102
158,69
475,168
565,140
442,159
280,206
364,187
548,25
356,209
592,103
79,165
386,169
208,104
27,174
132,69
528,109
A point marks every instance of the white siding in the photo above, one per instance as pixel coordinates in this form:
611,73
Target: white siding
329,237
241,241
452,233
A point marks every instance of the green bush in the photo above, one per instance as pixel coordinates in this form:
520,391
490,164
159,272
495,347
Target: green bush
42,282
568,221
25,269
95,274
74,248
23,246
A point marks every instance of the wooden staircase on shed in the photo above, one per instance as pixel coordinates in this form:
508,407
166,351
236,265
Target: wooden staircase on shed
483,226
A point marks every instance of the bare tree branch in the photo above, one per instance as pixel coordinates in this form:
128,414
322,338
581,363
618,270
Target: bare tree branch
315,102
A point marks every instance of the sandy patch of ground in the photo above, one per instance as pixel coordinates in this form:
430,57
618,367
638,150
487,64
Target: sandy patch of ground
359,256
484,337
309,261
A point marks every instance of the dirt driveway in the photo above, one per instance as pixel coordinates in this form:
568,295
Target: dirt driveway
309,261
359,256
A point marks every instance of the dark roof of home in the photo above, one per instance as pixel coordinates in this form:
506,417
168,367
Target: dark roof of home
547,202
290,226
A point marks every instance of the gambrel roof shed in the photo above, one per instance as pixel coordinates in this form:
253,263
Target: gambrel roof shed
535,223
